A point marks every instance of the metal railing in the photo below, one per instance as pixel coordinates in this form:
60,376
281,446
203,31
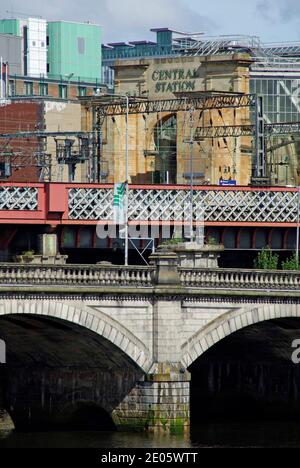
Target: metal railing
152,203
238,205
18,198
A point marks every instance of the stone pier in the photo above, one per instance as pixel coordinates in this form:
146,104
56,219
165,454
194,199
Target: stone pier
2,396
161,401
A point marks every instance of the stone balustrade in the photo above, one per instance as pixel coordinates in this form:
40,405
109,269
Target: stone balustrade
143,276
240,279
77,275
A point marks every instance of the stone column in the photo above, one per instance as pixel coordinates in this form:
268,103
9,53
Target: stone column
161,401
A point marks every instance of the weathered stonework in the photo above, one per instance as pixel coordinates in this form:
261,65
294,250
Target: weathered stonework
159,319
192,255
163,78
159,403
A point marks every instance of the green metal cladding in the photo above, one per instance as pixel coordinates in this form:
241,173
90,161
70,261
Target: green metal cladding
74,48
10,26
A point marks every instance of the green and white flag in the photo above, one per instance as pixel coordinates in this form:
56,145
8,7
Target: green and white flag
119,206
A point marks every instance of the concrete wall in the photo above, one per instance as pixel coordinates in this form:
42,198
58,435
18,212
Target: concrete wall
63,117
11,52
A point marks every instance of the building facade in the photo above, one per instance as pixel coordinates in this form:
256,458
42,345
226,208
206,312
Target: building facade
26,86
159,149
280,88
74,50
33,34
11,53
33,159
62,51
274,73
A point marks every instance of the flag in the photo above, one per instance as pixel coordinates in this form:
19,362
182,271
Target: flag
119,207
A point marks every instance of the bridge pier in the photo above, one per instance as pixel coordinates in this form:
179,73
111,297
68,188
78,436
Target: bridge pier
159,403
2,394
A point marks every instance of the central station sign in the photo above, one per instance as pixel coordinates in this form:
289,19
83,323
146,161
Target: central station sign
174,80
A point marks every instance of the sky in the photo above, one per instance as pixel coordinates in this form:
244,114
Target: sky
128,20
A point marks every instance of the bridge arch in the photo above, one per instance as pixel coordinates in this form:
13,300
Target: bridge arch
230,323
95,321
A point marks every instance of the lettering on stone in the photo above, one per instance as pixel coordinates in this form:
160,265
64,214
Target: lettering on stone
174,80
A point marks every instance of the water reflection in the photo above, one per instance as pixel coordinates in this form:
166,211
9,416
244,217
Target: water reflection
281,434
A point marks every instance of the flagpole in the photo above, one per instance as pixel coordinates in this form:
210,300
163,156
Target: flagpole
126,182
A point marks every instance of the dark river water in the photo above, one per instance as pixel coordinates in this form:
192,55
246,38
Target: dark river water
273,434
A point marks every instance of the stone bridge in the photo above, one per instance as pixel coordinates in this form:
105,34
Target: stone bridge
120,340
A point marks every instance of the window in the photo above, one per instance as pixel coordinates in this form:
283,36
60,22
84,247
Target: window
11,88
82,90
63,91
43,89
81,45
43,44
28,88
48,67
33,43
47,40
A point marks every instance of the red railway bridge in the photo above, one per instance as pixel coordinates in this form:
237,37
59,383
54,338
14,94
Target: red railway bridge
244,218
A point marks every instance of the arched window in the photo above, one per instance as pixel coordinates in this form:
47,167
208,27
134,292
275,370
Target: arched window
165,139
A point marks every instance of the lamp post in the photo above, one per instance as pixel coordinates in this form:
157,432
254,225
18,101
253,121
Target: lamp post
126,97
127,182
191,145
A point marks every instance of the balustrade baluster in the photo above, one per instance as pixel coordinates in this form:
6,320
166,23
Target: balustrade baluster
142,276
100,274
210,278
90,275
204,279
9,273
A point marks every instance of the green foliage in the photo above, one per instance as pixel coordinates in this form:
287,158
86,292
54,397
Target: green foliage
291,263
211,241
266,260
28,253
173,241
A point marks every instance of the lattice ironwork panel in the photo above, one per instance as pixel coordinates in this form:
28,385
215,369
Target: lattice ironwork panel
250,206
174,205
91,204
18,198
